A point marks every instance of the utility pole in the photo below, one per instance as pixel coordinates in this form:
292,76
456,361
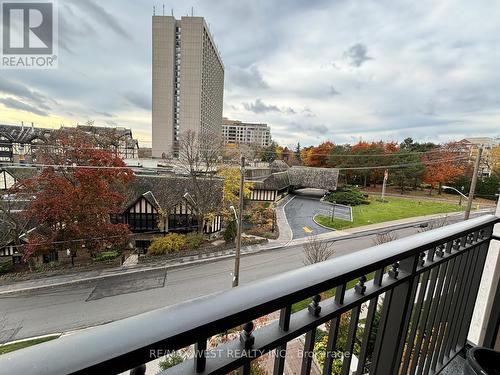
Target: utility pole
473,183
386,176
239,222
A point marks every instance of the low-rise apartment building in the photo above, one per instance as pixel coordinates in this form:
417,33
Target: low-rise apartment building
238,132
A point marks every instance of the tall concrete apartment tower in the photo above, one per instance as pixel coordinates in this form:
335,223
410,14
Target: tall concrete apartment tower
188,82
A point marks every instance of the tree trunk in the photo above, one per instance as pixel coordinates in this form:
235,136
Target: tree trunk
440,188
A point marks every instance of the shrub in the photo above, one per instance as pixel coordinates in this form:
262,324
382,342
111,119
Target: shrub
5,267
171,361
349,195
230,231
106,255
171,243
194,240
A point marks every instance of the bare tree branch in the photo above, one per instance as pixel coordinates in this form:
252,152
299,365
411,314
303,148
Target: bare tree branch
316,251
384,237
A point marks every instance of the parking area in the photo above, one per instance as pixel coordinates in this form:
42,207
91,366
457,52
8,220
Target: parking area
301,210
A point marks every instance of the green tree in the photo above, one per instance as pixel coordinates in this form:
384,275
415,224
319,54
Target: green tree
297,153
270,153
410,169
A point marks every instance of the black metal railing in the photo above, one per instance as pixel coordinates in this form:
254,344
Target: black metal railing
408,313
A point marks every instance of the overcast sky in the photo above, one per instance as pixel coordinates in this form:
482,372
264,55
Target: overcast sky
313,70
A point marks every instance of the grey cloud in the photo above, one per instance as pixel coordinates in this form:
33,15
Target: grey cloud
72,28
100,14
320,129
141,101
250,78
22,91
333,91
308,113
16,104
357,55
105,114
260,107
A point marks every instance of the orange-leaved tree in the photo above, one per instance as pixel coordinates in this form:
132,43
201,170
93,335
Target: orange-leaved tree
443,165
79,188
318,156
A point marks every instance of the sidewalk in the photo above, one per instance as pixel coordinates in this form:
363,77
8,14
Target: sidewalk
282,241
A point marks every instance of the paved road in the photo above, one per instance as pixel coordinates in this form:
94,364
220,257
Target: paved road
76,306
301,210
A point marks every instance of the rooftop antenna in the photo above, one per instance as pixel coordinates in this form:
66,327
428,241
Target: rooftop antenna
192,11
172,11
163,9
154,10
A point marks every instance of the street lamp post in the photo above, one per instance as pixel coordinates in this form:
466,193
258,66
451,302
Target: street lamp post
458,191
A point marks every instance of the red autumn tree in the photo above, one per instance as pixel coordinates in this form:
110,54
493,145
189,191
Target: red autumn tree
443,165
74,196
318,156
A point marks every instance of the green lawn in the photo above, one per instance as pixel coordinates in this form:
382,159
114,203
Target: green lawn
393,209
24,344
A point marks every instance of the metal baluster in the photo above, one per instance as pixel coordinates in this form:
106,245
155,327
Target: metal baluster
397,305
464,296
469,291
247,340
413,330
314,309
200,359
284,323
411,311
370,316
442,289
474,288
139,370
454,306
333,332
445,306
423,319
359,288
432,327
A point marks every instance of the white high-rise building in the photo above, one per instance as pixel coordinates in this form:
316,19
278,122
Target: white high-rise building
188,83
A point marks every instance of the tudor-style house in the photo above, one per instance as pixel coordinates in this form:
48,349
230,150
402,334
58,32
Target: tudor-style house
272,182
18,144
159,204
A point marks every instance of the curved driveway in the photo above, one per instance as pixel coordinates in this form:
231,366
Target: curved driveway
300,212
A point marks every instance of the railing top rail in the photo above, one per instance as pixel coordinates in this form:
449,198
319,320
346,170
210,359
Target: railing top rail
125,341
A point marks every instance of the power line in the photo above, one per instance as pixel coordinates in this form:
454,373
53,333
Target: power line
6,165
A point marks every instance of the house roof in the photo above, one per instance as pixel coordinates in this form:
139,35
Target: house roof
278,166
319,178
298,177
27,134
20,173
167,191
122,133
24,134
481,141
275,181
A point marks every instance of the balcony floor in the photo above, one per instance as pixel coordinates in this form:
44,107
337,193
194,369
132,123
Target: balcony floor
455,367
